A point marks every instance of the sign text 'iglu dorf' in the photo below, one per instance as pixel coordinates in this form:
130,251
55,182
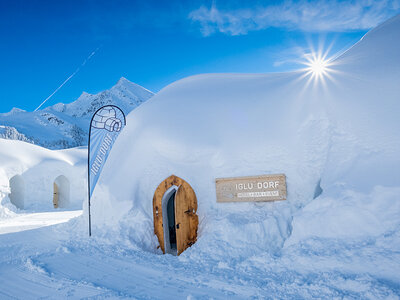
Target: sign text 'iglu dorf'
251,188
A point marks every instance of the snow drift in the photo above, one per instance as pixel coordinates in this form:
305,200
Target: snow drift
338,135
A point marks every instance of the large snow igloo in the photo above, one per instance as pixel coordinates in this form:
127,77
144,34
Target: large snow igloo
315,130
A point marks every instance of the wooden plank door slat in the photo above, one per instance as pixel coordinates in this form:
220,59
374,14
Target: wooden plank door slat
55,195
186,219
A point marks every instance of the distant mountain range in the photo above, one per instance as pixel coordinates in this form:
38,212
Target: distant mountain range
67,125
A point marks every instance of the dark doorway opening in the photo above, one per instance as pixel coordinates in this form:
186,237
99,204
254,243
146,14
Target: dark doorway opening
171,221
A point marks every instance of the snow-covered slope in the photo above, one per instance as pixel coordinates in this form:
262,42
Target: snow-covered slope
66,125
339,133
10,133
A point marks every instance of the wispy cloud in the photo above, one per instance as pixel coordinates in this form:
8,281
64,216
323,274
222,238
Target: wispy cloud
313,16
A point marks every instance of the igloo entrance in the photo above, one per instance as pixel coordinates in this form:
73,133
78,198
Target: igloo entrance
169,228
17,187
175,218
61,192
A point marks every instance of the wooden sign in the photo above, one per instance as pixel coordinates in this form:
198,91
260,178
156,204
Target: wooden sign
251,188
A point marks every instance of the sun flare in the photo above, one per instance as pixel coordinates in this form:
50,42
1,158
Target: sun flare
317,65
320,68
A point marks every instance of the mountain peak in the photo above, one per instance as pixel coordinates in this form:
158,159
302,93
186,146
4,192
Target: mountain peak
133,88
16,110
13,111
84,94
123,80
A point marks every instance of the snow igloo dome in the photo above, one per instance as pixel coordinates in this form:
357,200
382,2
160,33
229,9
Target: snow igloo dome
326,134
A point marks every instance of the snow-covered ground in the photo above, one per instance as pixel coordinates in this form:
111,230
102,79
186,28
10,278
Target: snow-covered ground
336,236
53,262
27,221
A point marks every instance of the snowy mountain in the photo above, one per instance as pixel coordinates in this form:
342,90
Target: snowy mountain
66,125
10,133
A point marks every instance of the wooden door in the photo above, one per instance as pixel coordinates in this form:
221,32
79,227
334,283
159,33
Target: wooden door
186,219
55,195
185,213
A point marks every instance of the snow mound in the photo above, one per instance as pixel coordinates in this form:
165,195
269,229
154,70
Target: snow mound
338,135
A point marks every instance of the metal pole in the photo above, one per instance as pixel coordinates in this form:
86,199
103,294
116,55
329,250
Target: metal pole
90,223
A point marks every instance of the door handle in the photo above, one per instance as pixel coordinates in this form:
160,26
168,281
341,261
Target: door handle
189,211
177,226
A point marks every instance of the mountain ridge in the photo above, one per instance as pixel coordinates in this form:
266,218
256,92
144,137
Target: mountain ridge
61,125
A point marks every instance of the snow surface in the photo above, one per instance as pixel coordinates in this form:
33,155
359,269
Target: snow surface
27,221
336,236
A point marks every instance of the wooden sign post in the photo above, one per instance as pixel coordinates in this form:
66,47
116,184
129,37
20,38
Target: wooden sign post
251,188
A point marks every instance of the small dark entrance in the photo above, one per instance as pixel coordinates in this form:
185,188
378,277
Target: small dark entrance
171,222
175,218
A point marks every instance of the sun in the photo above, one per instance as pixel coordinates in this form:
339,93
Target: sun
317,66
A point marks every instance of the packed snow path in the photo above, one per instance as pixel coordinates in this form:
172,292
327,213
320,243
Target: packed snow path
48,262
35,220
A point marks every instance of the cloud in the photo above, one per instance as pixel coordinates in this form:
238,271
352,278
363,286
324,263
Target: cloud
312,16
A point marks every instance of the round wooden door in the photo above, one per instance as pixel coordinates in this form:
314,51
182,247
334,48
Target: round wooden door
186,219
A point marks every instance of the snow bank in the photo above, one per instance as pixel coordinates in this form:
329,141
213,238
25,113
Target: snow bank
341,131
353,215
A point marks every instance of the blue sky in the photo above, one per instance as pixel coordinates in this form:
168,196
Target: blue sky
154,43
